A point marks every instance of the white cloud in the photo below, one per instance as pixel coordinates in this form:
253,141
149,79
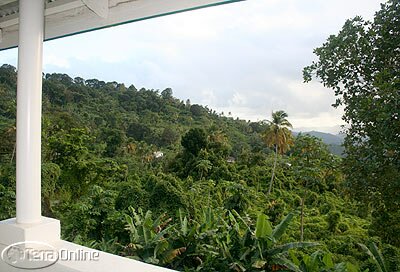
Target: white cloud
55,61
237,99
245,58
208,97
322,121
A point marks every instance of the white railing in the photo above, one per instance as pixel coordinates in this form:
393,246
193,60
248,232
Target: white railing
38,246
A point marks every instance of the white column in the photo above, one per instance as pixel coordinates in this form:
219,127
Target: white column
29,110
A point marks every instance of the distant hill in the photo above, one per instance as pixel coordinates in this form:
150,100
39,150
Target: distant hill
333,141
327,138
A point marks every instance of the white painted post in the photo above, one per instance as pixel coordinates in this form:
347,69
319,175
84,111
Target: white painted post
29,110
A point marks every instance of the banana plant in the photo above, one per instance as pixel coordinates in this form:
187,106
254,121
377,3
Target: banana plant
270,254
148,238
216,240
320,261
245,247
375,254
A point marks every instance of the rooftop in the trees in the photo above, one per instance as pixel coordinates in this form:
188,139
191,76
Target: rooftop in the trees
26,23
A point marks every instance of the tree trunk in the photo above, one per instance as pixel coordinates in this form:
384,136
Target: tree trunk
273,170
302,220
302,217
13,153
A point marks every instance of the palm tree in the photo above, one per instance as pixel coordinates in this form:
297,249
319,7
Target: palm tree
278,136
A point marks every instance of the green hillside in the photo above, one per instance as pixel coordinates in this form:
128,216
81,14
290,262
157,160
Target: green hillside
334,142
327,138
142,174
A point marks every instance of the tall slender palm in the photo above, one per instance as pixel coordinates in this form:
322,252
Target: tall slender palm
278,136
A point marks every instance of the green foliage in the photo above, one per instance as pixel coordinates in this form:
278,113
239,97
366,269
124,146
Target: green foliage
92,217
224,243
263,227
147,238
278,136
376,256
169,136
194,140
333,219
101,155
320,261
50,175
166,192
138,131
360,64
315,168
197,110
7,192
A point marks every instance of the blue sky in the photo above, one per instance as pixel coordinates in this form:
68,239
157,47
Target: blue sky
245,58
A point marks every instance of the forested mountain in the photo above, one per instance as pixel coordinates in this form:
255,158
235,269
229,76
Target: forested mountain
142,174
334,142
327,138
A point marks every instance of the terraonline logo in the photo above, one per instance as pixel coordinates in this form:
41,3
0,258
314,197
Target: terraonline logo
33,255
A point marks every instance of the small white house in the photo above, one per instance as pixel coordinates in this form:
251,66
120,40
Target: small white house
230,160
158,154
26,24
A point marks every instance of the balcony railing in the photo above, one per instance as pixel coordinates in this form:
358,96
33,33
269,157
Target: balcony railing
31,241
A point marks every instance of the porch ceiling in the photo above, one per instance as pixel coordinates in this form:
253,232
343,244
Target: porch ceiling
70,17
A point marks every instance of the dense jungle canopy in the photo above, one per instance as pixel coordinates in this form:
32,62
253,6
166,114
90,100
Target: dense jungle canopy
142,174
